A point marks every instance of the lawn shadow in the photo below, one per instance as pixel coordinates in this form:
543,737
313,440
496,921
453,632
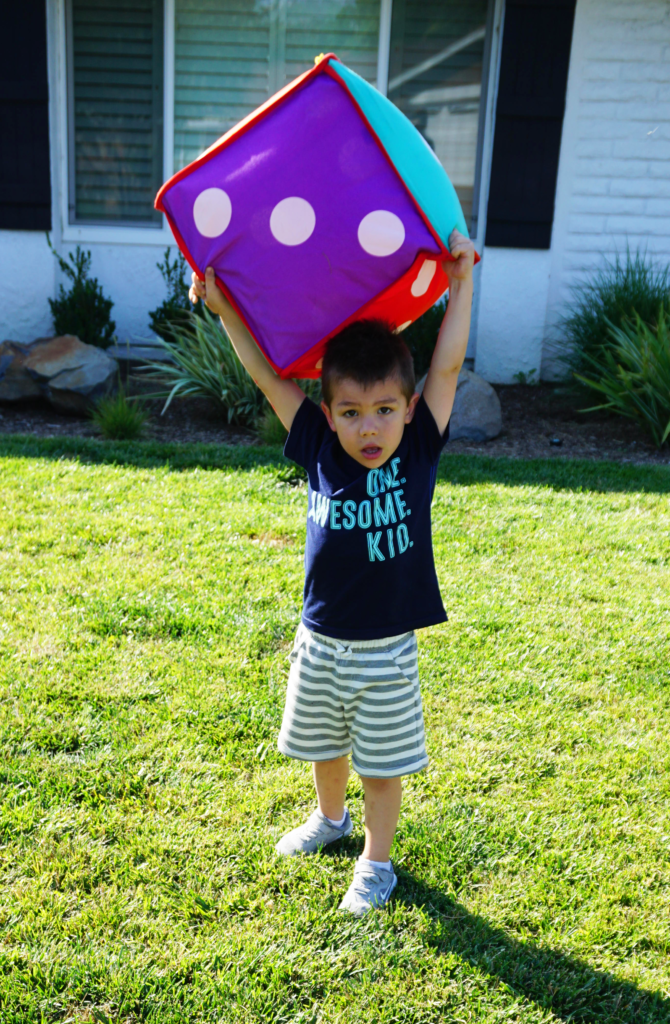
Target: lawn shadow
559,474
143,454
567,986
463,470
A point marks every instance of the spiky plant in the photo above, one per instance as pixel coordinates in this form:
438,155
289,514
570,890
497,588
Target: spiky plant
633,373
119,418
625,287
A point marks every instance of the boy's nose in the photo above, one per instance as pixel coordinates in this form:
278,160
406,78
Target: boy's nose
368,427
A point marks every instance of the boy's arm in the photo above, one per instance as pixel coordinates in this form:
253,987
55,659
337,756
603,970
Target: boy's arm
452,340
284,396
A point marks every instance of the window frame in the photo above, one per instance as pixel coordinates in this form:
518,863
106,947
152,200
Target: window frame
141,234
148,234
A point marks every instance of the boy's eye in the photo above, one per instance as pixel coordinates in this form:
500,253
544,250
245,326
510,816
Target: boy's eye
350,413
385,410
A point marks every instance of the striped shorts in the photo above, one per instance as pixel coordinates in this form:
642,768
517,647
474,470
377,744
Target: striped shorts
358,697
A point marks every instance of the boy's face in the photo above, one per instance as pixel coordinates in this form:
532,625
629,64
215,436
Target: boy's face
369,422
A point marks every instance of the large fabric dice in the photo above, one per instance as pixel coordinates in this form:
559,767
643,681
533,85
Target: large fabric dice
322,207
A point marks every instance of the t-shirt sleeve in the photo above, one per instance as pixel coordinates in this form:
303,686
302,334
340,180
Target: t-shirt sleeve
428,438
306,434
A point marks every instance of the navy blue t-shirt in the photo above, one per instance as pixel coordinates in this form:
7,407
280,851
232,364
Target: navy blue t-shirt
369,569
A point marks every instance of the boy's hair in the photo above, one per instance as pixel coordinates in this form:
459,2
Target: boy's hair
366,351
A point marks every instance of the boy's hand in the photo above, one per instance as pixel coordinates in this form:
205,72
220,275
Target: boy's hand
463,251
210,293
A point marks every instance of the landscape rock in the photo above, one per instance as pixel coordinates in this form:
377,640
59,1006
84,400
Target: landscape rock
476,415
15,383
73,376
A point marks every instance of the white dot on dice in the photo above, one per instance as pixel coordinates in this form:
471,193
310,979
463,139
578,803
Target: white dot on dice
423,278
381,233
212,211
292,221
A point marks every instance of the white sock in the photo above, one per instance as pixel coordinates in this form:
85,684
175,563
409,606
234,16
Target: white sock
336,824
386,865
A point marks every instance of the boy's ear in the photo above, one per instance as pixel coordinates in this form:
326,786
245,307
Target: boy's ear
326,412
409,415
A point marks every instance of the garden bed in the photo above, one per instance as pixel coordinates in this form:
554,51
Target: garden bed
534,419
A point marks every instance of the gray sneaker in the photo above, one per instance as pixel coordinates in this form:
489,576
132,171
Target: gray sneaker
371,887
315,833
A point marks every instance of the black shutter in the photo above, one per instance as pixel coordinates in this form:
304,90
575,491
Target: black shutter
529,118
25,190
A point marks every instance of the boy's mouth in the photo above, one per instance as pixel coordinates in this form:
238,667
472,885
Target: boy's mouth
371,451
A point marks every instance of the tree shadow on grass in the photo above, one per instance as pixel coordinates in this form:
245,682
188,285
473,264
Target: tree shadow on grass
463,470
568,987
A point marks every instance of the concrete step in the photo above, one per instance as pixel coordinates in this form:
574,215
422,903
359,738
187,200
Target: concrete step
144,351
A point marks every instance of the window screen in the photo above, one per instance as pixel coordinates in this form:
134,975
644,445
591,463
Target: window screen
115,59
231,55
435,78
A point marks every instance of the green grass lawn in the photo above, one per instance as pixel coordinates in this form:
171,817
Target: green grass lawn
149,596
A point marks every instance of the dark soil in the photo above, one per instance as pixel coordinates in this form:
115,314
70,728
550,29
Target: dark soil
540,421
544,421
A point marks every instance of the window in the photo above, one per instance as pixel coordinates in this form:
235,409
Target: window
115,100
232,55
435,77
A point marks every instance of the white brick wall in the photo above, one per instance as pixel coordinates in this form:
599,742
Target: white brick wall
614,172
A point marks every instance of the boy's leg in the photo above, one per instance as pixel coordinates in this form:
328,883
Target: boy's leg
330,780
374,877
382,808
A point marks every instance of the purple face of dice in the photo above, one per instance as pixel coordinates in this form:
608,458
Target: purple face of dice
302,217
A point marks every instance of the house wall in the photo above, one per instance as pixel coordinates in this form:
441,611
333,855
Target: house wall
512,313
27,271
613,184
29,276
613,189
129,276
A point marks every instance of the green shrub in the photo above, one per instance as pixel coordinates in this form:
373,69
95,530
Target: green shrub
204,363
83,310
633,373
119,418
421,336
619,291
176,309
271,430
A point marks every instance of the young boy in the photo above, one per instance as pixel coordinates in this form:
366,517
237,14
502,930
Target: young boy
371,453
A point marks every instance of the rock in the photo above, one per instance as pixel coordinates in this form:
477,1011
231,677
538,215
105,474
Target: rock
15,383
476,415
72,375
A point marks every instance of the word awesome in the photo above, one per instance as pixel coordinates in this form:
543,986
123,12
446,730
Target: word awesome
384,507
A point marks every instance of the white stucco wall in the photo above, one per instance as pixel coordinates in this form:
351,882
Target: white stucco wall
29,276
613,185
129,276
26,281
512,313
